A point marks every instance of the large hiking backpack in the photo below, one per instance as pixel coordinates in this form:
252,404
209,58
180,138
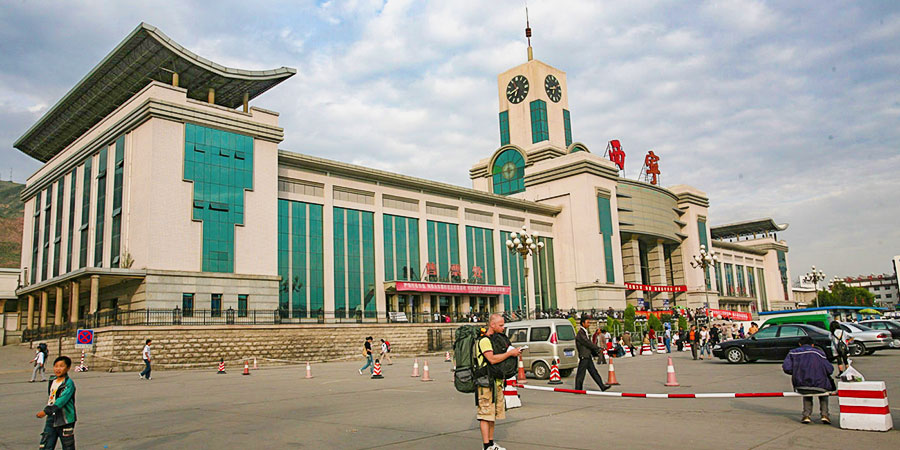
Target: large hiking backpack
504,369
464,350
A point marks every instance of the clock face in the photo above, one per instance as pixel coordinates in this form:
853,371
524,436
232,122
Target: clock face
508,170
551,85
517,89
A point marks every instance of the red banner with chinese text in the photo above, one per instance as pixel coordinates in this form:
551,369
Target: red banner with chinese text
651,288
451,288
726,314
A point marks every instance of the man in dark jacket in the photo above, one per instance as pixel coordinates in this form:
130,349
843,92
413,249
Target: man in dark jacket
810,373
586,351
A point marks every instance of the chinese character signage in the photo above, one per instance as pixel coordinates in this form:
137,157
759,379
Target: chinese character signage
452,288
616,154
650,288
651,167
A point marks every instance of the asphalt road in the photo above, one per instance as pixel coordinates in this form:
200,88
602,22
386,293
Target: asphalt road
278,407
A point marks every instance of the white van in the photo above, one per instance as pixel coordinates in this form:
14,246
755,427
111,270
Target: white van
546,339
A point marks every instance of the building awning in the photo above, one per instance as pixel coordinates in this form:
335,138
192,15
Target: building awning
446,288
746,228
145,55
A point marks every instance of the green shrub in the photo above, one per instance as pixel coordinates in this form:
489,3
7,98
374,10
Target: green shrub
654,322
682,322
628,318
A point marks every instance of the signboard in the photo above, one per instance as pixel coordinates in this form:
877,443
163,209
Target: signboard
651,288
84,338
726,314
451,288
397,316
658,314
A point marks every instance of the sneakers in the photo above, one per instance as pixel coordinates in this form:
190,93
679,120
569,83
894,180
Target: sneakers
360,371
805,420
141,376
495,447
826,420
149,378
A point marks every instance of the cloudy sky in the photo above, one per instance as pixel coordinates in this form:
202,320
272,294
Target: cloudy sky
789,110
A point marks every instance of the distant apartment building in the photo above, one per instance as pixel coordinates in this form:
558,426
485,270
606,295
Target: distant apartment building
885,287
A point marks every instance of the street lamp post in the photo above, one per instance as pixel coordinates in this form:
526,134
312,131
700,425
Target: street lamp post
704,261
815,277
525,244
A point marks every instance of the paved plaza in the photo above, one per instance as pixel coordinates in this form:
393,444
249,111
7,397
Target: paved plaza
277,407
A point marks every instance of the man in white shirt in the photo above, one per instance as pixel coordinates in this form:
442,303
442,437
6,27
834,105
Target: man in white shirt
145,374
38,365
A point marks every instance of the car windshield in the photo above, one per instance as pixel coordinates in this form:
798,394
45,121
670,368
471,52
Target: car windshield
859,327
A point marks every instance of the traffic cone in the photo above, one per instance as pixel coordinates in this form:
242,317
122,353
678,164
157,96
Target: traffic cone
447,357
425,376
246,368
511,394
605,355
670,374
554,374
308,370
415,373
520,377
221,367
376,374
254,363
611,376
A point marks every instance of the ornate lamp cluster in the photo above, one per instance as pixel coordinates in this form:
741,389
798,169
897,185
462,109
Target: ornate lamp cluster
814,276
524,243
704,261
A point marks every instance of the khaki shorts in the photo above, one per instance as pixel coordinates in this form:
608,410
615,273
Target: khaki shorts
488,409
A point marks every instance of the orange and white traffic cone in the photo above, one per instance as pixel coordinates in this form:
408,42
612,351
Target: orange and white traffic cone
308,370
554,374
254,363
425,376
415,373
246,368
611,375
376,373
670,374
447,357
520,377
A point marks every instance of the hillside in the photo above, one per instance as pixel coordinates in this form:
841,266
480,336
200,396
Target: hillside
11,222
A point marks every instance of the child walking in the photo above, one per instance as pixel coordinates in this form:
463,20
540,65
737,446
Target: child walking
60,409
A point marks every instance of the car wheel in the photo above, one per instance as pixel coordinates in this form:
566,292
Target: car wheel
540,370
735,355
565,372
857,349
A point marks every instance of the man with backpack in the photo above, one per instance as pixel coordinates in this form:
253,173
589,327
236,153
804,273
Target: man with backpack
490,403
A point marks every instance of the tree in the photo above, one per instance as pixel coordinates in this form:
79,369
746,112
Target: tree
628,318
613,326
682,323
843,295
654,322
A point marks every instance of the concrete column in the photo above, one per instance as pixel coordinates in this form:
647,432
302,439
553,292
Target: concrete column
58,311
246,102
29,318
95,294
657,261
45,298
175,79
73,301
211,97
464,304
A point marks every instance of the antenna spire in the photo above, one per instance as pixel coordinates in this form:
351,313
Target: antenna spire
528,33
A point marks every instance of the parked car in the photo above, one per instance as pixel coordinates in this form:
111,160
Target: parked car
865,340
546,339
772,342
887,325
823,321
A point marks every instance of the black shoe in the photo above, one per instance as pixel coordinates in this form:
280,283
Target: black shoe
604,387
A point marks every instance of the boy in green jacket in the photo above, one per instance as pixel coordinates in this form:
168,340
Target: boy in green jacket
60,409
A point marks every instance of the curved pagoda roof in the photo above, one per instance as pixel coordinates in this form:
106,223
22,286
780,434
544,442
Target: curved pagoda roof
144,56
746,228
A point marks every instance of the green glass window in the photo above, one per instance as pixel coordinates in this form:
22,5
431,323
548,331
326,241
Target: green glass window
729,280
187,305
701,232
751,282
763,296
220,164
35,236
741,287
540,130
401,248
504,128
45,259
354,266
242,305
719,286
544,276
101,208
84,229
606,229
783,269
73,178
567,123
215,305
443,251
300,259
116,232
513,276
509,172
480,255
57,233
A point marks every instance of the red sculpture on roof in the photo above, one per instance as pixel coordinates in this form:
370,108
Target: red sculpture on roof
651,167
616,154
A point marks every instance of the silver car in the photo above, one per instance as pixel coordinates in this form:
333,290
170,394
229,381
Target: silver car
864,339
546,339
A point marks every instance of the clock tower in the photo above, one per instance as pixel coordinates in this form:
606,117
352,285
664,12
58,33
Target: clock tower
534,108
